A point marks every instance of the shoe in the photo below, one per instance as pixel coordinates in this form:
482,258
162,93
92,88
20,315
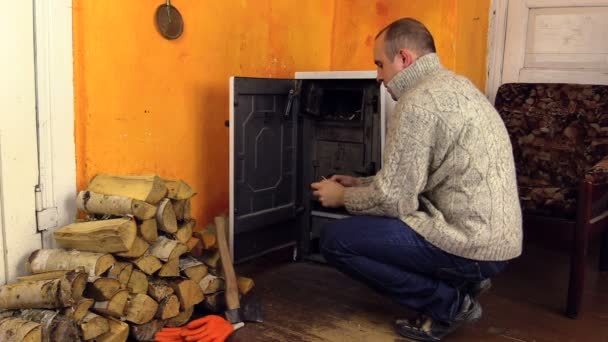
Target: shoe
426,329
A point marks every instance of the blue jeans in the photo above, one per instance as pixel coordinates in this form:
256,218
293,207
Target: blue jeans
390,257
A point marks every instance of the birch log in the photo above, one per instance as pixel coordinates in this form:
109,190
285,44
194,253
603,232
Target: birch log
139,247
44,260
138,283
121,271
192,268
188,292
148,188
102,289
165,217
42,294
141,309
182,318
146,332
93,325
103,236
177,189
94,203
115,306
119,332
55,326
170,268
14,329
159,289
184,232
148,230
166,249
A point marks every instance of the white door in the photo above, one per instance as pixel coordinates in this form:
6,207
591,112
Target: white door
18,140
553,41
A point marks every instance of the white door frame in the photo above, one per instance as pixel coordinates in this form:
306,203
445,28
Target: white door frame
497,32
55,103
18,142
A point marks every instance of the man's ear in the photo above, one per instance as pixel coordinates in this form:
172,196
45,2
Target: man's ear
406,57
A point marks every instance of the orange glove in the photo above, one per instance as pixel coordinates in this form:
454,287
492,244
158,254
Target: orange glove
169,335
211,328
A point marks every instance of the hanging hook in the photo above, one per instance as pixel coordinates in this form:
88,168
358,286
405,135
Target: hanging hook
169,10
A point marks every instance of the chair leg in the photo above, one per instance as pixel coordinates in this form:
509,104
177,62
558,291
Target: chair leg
604,253
577,272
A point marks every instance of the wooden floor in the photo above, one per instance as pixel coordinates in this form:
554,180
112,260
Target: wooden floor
312,302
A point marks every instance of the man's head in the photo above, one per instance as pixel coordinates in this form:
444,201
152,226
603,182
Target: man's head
398,45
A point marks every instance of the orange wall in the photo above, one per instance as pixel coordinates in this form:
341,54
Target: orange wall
148,105
460,29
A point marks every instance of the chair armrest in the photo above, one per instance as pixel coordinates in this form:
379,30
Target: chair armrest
598,173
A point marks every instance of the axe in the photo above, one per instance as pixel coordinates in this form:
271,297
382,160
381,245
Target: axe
234,313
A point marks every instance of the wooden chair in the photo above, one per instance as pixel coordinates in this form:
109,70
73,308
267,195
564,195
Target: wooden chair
559,134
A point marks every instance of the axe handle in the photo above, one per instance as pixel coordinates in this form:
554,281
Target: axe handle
232,290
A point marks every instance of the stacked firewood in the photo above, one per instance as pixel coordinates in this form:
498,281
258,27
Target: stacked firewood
132,267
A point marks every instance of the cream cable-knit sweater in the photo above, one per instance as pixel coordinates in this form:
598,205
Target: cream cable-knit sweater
448,168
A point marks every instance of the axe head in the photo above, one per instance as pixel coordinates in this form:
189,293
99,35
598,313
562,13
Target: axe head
250,311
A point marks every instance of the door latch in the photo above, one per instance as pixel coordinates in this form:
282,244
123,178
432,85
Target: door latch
289,102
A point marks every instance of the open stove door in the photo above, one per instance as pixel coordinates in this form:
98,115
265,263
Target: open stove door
263,139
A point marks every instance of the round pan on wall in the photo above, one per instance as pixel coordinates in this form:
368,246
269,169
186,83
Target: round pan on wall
169,21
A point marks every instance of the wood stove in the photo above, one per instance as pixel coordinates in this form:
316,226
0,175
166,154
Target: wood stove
288,133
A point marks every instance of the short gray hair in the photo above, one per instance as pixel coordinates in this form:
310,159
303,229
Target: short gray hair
407,33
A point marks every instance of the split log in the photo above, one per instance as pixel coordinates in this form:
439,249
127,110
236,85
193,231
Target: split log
79,310
183,209
55,326
211,284
121,271
139,247
148,188
211,258
138,283
148,264
102,289
215,302
93,325
43,294
245,284
44,260
166,249
182,318
184,232
146,332
168,307
94,203
170,268
115,306
165,217
141,309
208,238
177,189
159,289
192,268
78,279
104,236
194,245
148,229
14,329
188,292
119,332
48,275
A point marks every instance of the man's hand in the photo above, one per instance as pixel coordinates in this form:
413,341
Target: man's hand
329,193
345,180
